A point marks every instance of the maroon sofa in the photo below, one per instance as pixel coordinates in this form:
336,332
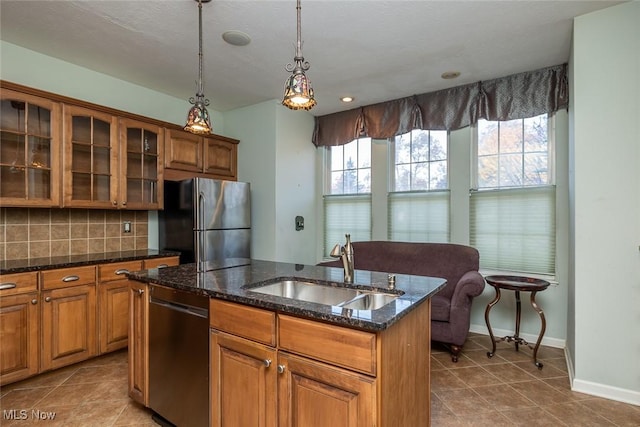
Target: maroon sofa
458,264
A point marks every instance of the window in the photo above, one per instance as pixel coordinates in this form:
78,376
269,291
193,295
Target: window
347,198
512,218
418,201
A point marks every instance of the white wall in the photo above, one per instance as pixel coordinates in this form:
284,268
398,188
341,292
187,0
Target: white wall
605,142
276,156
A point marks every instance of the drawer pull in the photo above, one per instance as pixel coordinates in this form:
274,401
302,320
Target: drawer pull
47,299
70,278
9,285
34,301
122,271
162,266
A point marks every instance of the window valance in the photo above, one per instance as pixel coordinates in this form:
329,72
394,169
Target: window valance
513,97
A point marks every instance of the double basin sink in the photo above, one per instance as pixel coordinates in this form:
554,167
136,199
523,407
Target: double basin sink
348,298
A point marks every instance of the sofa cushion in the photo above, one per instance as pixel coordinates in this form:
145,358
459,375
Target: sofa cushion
440,308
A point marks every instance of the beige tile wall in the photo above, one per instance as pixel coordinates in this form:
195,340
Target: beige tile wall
34,233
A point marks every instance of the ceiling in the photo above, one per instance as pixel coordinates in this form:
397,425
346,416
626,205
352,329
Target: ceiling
372,50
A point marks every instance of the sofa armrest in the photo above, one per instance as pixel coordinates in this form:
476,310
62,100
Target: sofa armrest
470,285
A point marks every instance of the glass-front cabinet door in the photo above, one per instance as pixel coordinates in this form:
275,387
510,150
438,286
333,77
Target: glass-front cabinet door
29,150
90,159
141,166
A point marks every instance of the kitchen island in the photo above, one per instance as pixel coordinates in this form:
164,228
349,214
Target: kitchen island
276,360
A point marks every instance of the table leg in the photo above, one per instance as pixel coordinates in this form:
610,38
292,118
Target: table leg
486,319
518,314
542,329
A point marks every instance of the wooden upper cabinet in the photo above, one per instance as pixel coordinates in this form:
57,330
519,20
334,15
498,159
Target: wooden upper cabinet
220,157
90,159
141,166
188,155
183,151
29,150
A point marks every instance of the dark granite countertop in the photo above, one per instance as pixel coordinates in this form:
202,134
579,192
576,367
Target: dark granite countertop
49,263
233,280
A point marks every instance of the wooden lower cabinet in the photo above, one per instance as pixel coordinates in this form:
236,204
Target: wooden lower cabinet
113,305
19,329
242,371
312,393
317,374
139,342
68,326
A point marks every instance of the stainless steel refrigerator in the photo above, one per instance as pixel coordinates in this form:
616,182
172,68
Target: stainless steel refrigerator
206,220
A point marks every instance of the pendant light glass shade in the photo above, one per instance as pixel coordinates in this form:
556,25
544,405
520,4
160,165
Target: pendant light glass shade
298,93
198,120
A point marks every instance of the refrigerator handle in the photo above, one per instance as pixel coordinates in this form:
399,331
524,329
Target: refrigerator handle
200,241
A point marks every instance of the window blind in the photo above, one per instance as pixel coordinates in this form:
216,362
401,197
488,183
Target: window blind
515,229
346,214
418,216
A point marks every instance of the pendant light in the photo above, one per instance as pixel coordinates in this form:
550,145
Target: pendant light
298,93
198,120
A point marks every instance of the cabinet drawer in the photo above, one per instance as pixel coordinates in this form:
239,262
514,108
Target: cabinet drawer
244,321
67,277
329,343
109,272
161,262
18,283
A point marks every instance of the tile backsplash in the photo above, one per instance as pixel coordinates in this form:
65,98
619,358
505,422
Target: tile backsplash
35,233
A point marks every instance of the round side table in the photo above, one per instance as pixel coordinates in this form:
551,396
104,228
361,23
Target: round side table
517,284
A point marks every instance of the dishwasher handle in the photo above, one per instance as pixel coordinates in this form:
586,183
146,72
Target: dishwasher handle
183,308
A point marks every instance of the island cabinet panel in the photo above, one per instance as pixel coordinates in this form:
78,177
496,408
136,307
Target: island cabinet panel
113,305
242,371
233,318
68,326
19,328
139,342
316,394
325,374
337,345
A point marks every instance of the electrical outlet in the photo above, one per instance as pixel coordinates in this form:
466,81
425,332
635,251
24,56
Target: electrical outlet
126,227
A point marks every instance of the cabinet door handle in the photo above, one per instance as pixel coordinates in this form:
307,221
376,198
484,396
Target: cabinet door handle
267,362
34,301
124,203
115,203
281,369
140,291
122,271
70,278
47,299
9,285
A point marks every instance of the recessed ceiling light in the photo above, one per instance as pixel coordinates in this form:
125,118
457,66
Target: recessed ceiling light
448,75
236,38
347,99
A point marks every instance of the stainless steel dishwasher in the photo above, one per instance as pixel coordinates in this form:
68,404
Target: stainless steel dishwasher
179,356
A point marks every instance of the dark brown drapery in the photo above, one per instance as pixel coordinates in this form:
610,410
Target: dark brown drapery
513,97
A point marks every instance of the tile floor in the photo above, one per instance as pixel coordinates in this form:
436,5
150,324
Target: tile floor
506,390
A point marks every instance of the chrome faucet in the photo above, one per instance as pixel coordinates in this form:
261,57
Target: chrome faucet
345,253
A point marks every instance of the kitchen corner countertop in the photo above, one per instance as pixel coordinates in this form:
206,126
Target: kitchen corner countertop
232,280
48,263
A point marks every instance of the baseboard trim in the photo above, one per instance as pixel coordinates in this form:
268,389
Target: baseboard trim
606,391
548,341
600,390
